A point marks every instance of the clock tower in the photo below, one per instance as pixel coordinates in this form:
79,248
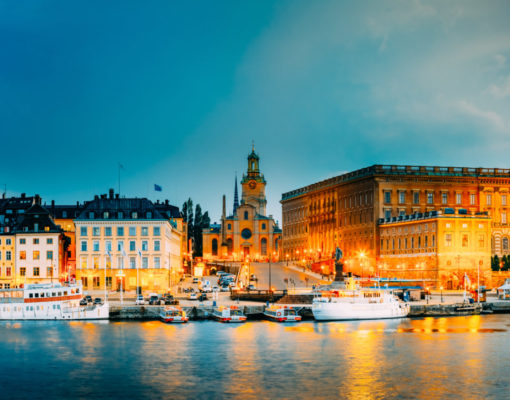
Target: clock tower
254,185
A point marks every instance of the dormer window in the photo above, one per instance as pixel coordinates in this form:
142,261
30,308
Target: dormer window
121,215
134,214
36,227
149,214
91,215
106,215
64,214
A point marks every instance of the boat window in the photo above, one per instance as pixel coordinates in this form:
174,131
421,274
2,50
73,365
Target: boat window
53,294
77,290
59,294
30,295
42,294
65,293
37,295
26,308
58,306
31,308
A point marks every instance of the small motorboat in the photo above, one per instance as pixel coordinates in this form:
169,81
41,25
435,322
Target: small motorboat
173,315
282,313
229,314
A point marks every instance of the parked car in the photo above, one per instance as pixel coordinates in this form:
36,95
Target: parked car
225,288
195,280
98,300
89,299
188,290
221,273
253,277
170,300
83,302
192,296
139,300
215,288
252,287
202,297
206,289
231,284
154,300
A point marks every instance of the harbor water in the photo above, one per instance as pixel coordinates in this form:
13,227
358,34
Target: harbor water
430,358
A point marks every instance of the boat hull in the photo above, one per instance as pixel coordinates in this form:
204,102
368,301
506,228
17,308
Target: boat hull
358,311
283,318
45,312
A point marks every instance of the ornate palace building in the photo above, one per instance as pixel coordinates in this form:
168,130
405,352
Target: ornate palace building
346,210
248,232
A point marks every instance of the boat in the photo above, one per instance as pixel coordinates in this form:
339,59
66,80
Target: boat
173,315
282,313
349,302
49,302
229,314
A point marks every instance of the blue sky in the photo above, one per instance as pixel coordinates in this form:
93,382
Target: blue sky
176,92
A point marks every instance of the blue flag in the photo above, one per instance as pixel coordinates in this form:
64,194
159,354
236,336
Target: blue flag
157,188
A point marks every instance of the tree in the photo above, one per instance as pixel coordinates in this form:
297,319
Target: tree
495,263
187,216
197,232
506,263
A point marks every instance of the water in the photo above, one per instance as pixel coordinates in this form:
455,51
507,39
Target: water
457,357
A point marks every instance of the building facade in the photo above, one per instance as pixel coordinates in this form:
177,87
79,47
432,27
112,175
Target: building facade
438,248
125,243
248,232
344,211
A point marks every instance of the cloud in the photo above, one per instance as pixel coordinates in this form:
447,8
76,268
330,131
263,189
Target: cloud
485,115
502,90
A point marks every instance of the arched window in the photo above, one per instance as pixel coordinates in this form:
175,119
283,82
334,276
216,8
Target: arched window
276,245
246,215
505,244
263,246
230,246
215,247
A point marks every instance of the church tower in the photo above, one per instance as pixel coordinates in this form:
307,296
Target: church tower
254,185
236,197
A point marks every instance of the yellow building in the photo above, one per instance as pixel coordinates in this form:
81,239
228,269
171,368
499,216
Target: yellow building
7,257
248,232
437,248
125,243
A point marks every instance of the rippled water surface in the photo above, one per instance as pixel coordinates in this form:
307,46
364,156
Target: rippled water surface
460,357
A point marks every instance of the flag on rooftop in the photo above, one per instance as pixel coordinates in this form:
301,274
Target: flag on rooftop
157,188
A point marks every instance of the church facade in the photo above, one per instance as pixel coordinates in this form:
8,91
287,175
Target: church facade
248,232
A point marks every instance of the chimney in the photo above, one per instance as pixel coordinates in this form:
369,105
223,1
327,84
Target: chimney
77,204
96,197
166,202
53,203
111,193
23,195
117,196
37,199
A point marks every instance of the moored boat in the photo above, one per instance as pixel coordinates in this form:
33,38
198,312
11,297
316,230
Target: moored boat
282,313
229,314
354,303
173,315
48,302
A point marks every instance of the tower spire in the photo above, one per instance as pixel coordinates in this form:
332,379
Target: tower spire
253,145
236,196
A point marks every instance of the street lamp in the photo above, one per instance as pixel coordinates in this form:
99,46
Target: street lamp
287,256
441,294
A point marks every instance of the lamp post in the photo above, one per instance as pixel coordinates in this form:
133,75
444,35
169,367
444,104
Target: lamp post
427,295
287,257
441,294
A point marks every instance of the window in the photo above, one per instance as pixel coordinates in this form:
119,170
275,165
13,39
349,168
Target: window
263,226
458,198
503,199
430,198
106,215
7,242
145,262
465,240
84,263
36,271
416,197
49,271
472,199
387,213
8,272
505,243
157,262
22,271
49,241
36,228
157,231
134,215
503,218
402,213
132,231
22,241
214,246
96,231
401,197
49,255
83,245
8,255
132,262
120,215
96,262
108,231
246,215
95,245
91,215
448,240
145,245
132,245
83,231
120,262
120,245
96,281
108,245
489,199
120,231
444,198
156,245
399,243
35,255
426,241
109,281
23,255
35,241
84,280
481,241
229,226
387,197
64,214
145,231
149,214
433,240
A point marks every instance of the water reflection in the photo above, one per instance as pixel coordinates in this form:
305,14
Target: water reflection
430,358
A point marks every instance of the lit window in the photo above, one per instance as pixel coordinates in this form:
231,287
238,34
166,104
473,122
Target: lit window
489,199
430,198
35,255
401,197
96,231
503,200
444,198
472,199
23,255
458,198
448,240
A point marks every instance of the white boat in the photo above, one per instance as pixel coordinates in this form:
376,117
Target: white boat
48,302
353,303
229,314
281,313
173,315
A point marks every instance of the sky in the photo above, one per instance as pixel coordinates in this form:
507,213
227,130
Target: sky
177,91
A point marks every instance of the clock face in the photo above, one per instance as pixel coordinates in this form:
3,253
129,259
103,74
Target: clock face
252,184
